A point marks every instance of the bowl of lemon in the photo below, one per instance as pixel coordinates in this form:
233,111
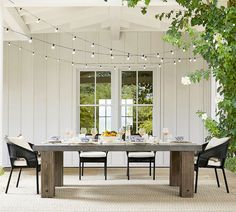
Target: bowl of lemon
109,136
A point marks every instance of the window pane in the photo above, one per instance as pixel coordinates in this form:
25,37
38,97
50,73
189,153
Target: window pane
145,118
108,123
108,111
130,119
102,111
129,85
102,124
145,87
87,117
103,85
87,87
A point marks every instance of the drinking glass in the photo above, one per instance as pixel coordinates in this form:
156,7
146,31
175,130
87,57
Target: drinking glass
165,132
142,131
121,132
94,132
83,131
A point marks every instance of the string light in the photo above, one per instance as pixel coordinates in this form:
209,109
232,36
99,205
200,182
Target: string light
93,55
159,65
144,67
129,68
58,60
33,53
190,60
172,52
20,48
86,65
194,46
46,57
142,57
128,57
179,60
162,60
194,59
92,45
174,62
53,46
6,29
38,21
145,58
30,40
73,52
72,64
56,29
184,50
74,38
110,51
9,43
158,55
114,68
112,57
100,66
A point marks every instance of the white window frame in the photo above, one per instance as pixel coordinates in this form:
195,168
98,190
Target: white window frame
116,97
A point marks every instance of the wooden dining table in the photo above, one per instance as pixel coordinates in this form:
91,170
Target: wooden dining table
181,162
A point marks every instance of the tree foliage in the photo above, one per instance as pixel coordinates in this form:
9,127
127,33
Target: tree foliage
216,43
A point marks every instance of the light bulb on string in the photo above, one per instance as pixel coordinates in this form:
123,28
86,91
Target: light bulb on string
158,55
142,57
73,52
58,60
92,45
100,66
9,43
179,60
145,58
114,68
110,51
194,46
74,38
174,62
30,40
38,20
72,64
172,52
33,53
86,65
162,60
56,29
184,50
159,65
7,30
46,57
129,68
194,59
112,57
93,55
128,57
144,67
190,59
20,48
53,46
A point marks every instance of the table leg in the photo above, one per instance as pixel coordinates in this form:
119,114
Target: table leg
58,167
51,173
174,168
186,174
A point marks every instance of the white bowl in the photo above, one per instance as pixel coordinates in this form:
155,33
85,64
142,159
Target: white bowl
108,139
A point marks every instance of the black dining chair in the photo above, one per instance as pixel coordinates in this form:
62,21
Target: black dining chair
214,158
92,157
21,157
141,157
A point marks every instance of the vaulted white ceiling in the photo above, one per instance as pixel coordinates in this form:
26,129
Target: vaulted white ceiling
81,15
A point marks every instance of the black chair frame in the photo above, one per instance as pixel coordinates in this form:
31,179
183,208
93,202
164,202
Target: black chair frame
149,160
16,152
83,160
220,153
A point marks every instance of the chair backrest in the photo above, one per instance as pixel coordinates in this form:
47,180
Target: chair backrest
216,142
17,148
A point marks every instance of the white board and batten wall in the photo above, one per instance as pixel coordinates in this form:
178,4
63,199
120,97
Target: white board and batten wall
40,95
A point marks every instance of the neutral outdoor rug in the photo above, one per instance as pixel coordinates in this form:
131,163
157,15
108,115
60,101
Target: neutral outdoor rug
141,193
